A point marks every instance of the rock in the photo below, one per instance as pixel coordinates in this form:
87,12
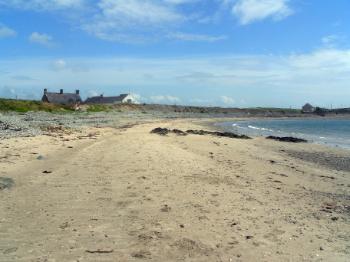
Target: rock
47,172
179,132
6,183
287,139
160,131
165,131
219,134
40,157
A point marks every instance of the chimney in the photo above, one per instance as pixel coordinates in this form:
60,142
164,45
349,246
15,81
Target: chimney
77,92
45,91
61,91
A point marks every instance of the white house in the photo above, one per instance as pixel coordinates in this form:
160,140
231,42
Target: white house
123,98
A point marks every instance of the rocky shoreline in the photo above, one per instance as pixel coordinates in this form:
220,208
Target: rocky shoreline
32,124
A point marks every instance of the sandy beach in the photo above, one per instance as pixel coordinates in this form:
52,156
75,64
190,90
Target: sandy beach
124,194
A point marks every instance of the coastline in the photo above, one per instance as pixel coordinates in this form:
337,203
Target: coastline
258,129
121,193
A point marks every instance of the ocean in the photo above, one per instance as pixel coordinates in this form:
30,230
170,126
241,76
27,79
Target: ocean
333,132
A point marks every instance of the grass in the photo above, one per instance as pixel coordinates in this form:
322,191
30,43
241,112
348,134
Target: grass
23,106
98,108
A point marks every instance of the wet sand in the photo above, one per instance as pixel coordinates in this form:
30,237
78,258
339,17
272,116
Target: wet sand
112,194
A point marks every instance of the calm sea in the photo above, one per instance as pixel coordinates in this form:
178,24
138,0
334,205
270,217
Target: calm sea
334,132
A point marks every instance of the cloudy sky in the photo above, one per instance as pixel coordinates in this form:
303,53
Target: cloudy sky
202,52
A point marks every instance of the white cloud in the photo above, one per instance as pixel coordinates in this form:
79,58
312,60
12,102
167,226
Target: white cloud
6,31
195,37
165,99
249,11
59,65
334,40
41,39
229,101
42,5
140,21
132,21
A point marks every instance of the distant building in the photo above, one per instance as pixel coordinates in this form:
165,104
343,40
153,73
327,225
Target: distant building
308,108
123,98
62,98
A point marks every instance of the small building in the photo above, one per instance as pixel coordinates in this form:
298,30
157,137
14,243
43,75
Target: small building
62,98
308,108
123,98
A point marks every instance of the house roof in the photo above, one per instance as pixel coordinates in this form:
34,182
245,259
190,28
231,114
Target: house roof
106,100
65,98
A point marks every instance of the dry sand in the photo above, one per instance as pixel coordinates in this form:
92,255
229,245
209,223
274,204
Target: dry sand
128,195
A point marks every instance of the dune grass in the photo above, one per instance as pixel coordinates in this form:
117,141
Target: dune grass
23,106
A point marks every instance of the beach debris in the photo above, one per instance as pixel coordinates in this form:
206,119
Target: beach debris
328,207
64,225
47,172
99,251
165,208
287,139
142,254
10,250
329,177
40,157
6,183
165,131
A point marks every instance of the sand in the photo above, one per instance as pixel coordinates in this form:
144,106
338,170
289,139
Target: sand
128,195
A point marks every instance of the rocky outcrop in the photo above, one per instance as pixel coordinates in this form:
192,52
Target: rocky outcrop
165,131
287,139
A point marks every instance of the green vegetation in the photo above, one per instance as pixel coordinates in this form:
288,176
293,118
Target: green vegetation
98,108
274,109
23,106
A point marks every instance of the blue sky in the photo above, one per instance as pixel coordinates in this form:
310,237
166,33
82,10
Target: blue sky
201,52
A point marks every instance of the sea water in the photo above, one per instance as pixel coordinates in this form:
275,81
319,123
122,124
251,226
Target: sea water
334,132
